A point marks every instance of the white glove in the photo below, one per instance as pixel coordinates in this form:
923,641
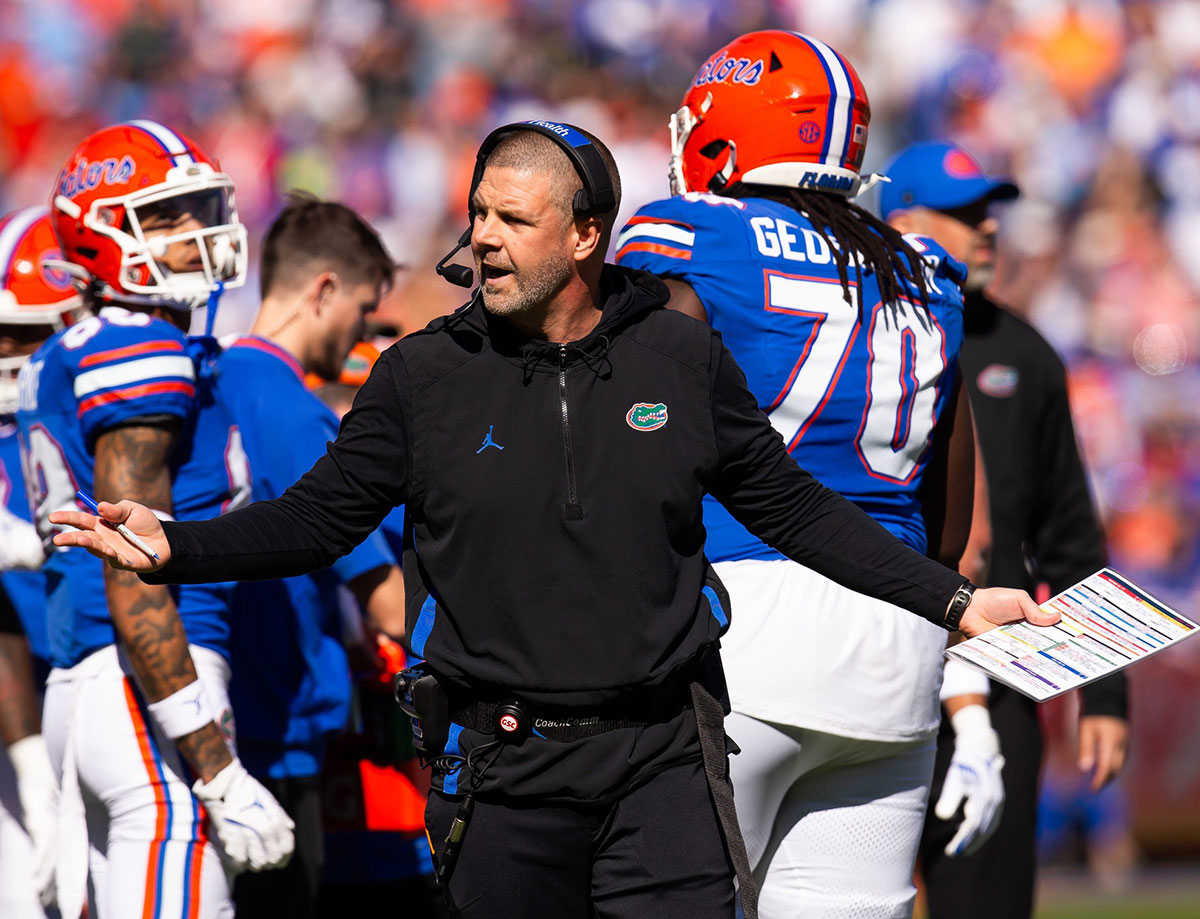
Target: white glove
38,792
20,545
254,830
973,778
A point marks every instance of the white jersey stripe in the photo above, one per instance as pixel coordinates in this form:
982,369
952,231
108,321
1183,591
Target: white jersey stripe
171,141
658,231
13,232
126,372
841,105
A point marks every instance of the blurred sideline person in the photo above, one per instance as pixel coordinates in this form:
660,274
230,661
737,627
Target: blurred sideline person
1043,526
137,701
35,301
377,854
854,360
551,442
28,790
323,271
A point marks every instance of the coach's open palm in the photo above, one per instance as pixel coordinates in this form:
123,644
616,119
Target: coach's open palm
100,537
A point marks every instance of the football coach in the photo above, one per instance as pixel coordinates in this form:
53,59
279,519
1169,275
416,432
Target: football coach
552,440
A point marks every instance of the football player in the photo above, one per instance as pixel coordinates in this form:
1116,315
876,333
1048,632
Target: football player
114,406
849,336
35,301
323,270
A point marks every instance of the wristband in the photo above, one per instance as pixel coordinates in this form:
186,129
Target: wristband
183,712
957,606
960,680
974,721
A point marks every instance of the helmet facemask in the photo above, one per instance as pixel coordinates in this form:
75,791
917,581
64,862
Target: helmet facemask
178,240
683,122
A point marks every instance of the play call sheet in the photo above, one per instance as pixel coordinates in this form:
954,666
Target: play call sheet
1108,623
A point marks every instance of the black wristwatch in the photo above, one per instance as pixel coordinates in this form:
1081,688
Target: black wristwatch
958,605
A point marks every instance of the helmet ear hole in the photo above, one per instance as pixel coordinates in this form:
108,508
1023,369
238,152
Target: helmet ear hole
792,109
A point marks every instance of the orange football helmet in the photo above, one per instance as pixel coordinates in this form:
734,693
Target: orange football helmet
145,216
32,292
772,108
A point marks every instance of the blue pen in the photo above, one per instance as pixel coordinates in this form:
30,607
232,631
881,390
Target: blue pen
91,505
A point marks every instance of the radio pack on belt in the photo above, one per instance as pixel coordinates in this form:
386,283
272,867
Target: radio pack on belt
422,698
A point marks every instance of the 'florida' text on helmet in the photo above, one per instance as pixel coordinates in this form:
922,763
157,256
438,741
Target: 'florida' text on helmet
771,108
145,216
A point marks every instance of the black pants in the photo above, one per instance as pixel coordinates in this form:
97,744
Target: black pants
414,898
289,892
997,882
658,851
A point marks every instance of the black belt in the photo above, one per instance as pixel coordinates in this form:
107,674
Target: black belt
567,724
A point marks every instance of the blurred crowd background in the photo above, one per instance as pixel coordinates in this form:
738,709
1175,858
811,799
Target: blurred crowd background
1092,106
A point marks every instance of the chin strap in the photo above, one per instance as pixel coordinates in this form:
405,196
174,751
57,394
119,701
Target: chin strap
204,349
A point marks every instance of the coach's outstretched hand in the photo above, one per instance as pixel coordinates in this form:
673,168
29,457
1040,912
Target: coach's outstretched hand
100,537
993,606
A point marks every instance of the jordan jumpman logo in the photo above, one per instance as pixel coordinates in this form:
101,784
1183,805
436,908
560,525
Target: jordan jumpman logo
488,442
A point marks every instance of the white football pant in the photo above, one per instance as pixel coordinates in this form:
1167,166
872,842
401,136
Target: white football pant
146,850
18,898
831,823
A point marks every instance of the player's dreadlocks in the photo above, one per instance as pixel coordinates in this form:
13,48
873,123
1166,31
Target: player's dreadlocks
848,228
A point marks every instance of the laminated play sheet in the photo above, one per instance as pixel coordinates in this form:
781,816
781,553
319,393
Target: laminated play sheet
1108,623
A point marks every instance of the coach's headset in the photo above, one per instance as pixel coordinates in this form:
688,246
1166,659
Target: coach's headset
596,196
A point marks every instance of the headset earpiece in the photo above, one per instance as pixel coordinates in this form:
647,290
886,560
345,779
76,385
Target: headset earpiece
596,197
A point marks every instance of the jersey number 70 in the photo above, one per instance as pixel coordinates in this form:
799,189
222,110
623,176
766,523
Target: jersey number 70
906,357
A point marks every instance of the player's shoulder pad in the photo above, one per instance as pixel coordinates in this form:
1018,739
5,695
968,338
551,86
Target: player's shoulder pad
118,336
940,262
671,230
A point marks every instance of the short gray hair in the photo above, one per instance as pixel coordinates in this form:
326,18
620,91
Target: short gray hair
534,152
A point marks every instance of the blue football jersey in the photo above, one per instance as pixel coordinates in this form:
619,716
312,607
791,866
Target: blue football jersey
287,702
854,388
26,589
104,371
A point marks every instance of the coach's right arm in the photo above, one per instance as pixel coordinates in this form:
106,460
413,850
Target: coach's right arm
334,506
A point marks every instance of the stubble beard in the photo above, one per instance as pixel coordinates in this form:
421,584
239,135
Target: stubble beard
532,288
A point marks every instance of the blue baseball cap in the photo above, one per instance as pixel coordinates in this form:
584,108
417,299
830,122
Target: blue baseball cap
940,176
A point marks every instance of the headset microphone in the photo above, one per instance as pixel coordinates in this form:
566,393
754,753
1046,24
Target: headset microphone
457,274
